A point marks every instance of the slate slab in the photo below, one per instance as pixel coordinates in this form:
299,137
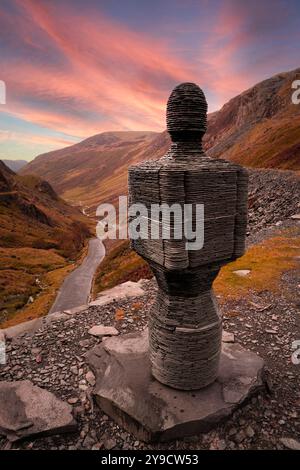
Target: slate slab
27,410
101,330
126,390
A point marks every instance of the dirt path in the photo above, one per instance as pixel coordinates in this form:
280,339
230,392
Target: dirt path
76,287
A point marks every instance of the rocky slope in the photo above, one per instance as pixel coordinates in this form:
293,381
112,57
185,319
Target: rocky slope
39,234
274,195
258,128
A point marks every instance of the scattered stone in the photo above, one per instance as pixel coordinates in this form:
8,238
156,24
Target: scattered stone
97,446
101,330
109,443
84,343
73,400
73,311
240,436
232,431
27,410
249,431
295,217
90,378
39,359
88,442
227,337
290,443
221,444
74,370
35,351
51,317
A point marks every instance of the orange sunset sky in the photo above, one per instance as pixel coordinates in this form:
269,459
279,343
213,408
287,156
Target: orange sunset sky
75,68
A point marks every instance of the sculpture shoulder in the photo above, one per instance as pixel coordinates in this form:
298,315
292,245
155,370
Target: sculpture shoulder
227,164
148,165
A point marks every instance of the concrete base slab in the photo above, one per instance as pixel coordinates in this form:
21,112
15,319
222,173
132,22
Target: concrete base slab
126,390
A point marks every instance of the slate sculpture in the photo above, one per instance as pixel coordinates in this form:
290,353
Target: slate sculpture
185,325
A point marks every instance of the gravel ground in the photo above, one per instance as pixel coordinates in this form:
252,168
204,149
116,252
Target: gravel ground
53,358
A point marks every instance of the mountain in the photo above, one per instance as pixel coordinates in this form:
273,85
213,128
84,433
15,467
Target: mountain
93,170
15,165
258,128
39,237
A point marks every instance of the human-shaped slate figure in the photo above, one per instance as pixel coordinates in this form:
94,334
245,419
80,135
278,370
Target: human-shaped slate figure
185,326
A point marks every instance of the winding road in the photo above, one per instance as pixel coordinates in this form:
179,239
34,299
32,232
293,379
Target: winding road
76,287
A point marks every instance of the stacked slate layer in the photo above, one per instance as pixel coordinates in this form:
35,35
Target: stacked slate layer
185,326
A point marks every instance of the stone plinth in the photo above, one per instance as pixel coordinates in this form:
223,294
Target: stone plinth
126,390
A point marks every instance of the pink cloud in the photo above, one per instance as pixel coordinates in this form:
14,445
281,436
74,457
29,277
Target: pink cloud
84,73
109,71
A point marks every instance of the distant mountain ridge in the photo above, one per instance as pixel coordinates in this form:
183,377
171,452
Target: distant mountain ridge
259,128
79,173
14,165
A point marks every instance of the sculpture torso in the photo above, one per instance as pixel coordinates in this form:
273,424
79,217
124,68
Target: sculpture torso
185,175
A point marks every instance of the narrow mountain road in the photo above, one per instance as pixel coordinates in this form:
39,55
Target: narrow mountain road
76,288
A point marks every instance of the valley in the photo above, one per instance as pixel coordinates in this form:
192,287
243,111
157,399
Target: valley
260,128
42,239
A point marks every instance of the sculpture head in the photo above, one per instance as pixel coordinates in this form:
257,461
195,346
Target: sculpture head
186,113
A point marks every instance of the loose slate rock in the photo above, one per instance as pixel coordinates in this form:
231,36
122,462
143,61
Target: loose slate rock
290,443
27,410
101,330
227,337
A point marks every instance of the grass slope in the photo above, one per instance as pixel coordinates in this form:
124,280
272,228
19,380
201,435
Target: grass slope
39,235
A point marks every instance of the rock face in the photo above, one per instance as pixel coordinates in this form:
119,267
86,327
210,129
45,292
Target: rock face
185,324
126,390
27,410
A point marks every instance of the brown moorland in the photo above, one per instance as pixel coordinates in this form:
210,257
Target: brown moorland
42,237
